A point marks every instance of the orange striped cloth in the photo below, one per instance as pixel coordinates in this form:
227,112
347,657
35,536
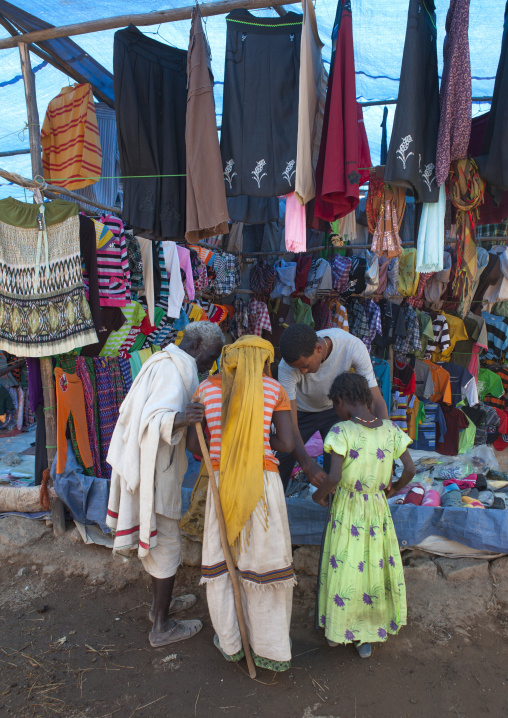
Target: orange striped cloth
70,139
210,393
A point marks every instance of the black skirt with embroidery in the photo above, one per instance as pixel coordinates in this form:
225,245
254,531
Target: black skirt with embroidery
260,109
411,159
150,81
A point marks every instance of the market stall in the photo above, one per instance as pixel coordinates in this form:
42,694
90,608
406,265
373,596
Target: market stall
144,221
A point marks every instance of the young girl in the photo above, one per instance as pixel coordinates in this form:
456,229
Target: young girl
361,594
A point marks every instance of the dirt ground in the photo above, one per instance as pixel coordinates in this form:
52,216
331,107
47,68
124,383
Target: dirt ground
74,642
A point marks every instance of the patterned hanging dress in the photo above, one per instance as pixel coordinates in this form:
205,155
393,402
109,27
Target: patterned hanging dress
362,594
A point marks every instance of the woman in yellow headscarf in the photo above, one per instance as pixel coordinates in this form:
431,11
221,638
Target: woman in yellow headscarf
241,404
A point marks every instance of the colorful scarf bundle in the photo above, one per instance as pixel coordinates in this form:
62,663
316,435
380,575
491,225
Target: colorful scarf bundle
467,190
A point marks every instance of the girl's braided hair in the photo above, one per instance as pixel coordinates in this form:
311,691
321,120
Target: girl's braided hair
352,388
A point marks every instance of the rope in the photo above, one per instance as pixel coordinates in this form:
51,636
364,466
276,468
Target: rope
44,497
263,24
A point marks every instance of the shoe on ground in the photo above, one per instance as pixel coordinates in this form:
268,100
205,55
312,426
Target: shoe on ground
177,605
364,650
181,631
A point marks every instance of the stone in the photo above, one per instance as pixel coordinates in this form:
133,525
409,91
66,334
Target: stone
420,569
191,552
463,569
306,560
49,569
74,536
500,569
17,531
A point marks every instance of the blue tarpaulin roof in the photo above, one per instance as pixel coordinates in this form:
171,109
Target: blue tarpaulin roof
379,31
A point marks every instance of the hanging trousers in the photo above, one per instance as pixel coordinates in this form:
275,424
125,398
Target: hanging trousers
70,400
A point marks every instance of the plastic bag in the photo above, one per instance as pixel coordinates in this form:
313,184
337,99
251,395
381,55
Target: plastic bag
476,461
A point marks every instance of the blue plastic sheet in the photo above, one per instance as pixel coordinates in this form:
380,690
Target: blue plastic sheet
379,30
485,529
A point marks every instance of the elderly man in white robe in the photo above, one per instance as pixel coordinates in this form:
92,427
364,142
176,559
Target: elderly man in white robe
147,455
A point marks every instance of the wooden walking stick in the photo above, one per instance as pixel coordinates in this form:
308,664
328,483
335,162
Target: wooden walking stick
227,553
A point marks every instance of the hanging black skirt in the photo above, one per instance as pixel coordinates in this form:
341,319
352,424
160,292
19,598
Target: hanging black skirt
260,112
411,157
151,103
494,163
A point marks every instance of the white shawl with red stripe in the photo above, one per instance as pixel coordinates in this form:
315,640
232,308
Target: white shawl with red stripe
148,460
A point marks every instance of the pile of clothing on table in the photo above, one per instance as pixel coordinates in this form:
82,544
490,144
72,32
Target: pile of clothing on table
469,481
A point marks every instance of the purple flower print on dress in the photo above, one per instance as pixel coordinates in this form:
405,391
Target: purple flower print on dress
393,626
368,599
381,633
349,636
381,563
354,530
339,601
372,532
322,620
360,566
380,454
336,429
333,562
358,486
391,562
365,497
381,487
351,494
353,454
334,525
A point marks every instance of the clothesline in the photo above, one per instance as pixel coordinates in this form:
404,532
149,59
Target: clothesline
280,254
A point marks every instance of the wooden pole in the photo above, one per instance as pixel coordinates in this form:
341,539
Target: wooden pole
48,379
207,9
32,184
226,551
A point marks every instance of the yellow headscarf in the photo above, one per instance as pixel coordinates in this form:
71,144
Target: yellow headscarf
241,484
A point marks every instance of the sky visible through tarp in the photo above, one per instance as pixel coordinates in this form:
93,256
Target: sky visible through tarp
379,28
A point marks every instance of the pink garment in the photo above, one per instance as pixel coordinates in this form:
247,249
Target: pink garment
473,364
296,229
185,264
467,483
431,498
415,496
314,446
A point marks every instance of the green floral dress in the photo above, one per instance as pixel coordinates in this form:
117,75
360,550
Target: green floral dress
362,594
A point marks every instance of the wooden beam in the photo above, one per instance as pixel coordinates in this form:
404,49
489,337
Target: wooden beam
11,153
53,59
148,18
32,184
280,10
48,378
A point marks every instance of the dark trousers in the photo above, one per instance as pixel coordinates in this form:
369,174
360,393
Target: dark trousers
308,423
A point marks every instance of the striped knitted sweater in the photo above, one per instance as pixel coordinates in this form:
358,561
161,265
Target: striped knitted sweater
71,150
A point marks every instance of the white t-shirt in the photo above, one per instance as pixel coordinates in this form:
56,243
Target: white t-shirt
311,390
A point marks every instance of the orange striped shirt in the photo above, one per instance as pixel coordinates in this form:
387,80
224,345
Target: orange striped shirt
210,393
70,139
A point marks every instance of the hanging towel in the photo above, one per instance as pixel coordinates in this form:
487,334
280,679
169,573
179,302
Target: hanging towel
430,244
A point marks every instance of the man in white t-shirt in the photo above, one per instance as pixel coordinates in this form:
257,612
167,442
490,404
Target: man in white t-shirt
310,362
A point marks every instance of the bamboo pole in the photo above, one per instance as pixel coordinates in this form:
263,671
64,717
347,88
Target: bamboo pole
48,379
207,9
227,553
50,188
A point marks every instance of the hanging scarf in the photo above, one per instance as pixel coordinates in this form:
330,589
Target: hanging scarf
241,480
467,190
